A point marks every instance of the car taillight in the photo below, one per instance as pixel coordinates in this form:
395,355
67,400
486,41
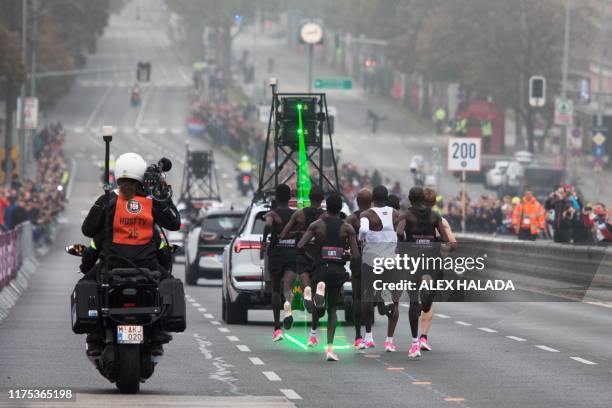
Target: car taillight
209,236
129,304
208,254
242,244
246,178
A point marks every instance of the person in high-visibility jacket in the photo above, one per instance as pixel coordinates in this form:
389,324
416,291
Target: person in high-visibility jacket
528,217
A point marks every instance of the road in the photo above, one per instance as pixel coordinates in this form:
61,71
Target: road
497,354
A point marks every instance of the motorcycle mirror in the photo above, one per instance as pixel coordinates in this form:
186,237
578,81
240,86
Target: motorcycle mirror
76,249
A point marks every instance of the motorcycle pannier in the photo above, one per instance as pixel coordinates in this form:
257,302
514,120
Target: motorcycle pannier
172,297
85,306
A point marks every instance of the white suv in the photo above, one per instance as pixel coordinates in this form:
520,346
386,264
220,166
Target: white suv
245,283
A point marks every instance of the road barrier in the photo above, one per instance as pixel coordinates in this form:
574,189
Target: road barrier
566,271
17,263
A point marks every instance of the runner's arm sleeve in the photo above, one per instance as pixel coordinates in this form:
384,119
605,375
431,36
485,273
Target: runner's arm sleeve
364,227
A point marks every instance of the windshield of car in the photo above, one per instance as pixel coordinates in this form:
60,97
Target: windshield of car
542,177
222,224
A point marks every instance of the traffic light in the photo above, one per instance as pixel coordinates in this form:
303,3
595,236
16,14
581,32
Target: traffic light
143,71
537,91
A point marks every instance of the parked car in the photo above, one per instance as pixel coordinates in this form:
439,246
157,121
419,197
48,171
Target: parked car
513,179
246,284
205,243
495,177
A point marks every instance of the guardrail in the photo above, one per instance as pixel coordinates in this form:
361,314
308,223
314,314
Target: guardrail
571,271
15,246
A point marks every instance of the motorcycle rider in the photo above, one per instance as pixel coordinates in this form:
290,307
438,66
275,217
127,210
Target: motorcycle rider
130,217
245,169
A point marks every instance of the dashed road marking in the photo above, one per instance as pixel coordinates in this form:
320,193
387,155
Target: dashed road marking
371,355
459,322
395,368
161,131
583,361
516,338
486,329
209,316
256,361
546,348
290,394
196,305
271,375
202,309
78,130
244,348
176,131
224,330
442,316
421,382
233,338
216,323
454,399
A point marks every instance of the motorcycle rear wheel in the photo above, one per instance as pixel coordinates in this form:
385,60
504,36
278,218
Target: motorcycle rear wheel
128,380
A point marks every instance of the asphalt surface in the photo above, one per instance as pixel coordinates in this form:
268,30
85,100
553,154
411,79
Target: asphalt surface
496,354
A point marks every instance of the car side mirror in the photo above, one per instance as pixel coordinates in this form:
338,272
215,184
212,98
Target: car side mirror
75,249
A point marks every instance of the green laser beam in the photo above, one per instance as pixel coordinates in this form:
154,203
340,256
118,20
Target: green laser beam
304,184
295,341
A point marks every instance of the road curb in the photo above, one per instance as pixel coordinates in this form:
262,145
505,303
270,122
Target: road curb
9,295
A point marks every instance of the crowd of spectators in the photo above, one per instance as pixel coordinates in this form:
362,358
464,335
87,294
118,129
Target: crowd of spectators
42,199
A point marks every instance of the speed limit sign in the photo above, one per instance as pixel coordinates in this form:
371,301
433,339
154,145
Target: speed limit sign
464,154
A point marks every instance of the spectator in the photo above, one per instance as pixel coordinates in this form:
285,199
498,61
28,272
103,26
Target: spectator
528,217
558,202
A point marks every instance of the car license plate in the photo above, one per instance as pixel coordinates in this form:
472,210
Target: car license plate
130,335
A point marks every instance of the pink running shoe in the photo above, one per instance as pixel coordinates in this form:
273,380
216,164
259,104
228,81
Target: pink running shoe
312,341
370,344
277,335
390,347
415,351
424,344
359,344
330,355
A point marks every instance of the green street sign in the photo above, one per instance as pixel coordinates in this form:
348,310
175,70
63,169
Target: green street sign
333,83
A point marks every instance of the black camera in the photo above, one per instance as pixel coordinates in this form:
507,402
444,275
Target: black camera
154,180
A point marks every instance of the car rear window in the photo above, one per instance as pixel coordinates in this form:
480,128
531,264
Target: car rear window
258,225
222,224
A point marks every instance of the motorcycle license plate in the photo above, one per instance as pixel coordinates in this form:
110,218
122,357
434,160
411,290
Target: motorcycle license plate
130,334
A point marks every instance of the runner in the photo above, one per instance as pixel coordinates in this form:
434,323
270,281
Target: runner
419,225
364,201
427,315
377,230
332,235
281,258
295,228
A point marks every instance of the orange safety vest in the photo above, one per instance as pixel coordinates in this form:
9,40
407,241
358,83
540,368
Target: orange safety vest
528,215
133,221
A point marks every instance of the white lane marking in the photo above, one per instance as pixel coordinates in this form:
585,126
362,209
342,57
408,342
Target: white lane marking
256,361
271,375
216,323
144,131
161,130
243,348
128,130
486,329
202,309
290,394
191,300
442,316
459,322
78,130
196,304
208,316
232,338
62,221
516,338
176,131
546,348
583,361
224,330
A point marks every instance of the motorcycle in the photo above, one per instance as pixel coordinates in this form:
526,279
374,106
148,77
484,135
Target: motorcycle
244,183
135,99
129,304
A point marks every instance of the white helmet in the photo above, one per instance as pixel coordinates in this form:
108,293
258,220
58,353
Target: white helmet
130,165
244,158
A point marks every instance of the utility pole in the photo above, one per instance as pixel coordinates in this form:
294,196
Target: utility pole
566,35
22,131
600,107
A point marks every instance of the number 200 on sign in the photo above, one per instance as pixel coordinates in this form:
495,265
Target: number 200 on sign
464,154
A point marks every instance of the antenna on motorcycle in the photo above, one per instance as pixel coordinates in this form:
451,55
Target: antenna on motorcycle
107,135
